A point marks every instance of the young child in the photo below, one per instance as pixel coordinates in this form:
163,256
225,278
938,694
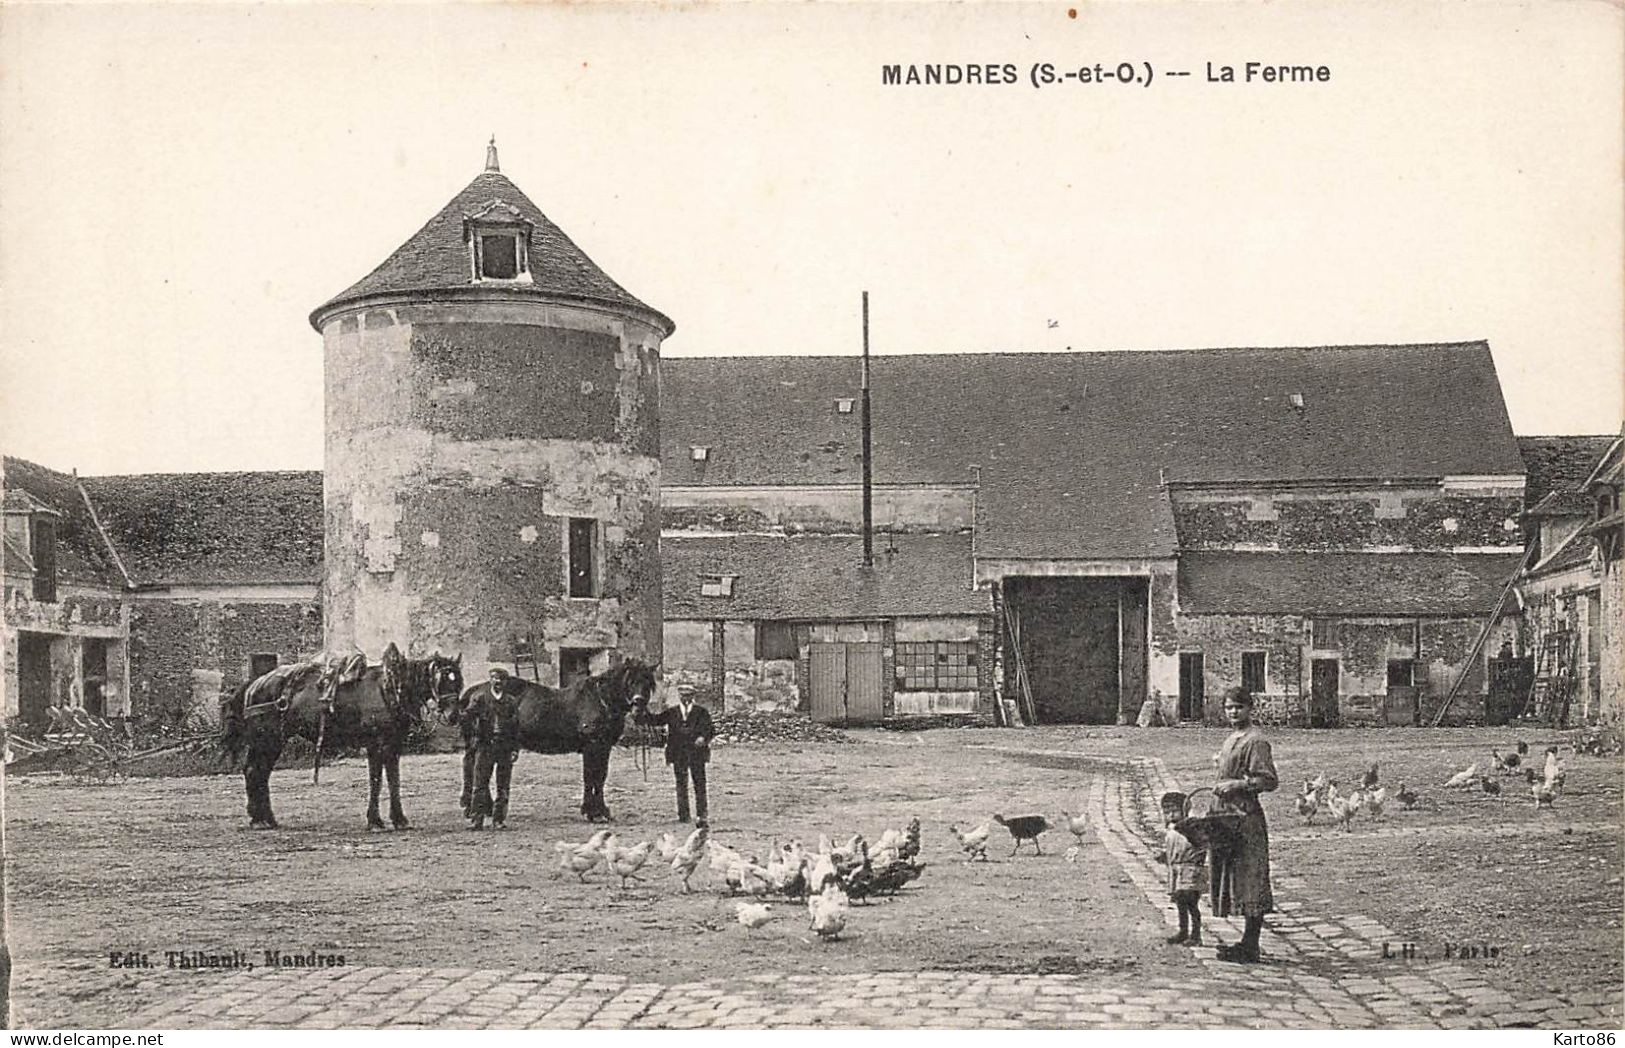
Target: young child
1187,871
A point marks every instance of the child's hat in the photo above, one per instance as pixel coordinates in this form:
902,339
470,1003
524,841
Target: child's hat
1173,799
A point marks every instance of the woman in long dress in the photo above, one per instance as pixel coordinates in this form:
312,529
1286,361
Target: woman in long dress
1239,875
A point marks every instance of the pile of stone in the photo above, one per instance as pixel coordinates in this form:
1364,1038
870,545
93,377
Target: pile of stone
751,726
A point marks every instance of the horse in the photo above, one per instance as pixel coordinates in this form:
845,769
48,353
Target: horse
499,720
372,706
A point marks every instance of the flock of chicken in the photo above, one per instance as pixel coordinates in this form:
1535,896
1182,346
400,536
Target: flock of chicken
828,879
1322,795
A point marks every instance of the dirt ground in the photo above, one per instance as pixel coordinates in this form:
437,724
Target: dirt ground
149,865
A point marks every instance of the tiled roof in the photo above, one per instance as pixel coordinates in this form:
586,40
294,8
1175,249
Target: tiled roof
1559,465
1574,553
1074,447
1343,583
819,577
81,555
189,528
436,257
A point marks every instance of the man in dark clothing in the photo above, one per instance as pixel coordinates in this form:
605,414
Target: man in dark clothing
688,747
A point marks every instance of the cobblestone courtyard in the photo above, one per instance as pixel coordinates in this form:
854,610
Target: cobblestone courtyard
1033,941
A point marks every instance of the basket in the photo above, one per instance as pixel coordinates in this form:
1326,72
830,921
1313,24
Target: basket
1206,826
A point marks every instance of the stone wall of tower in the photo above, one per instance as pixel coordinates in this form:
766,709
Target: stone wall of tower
461,439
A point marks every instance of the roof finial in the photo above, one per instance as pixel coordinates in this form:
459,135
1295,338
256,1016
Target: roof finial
491,155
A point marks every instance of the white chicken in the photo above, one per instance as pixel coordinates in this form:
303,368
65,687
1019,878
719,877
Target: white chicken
753,915
688,857
748,877
580,859
1077,825
1343,809
973,842
1307,803
721,857
1374,801
666,847
828,912
626,862
1464,778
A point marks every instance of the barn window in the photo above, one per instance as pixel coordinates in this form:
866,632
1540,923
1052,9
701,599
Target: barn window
42,551
1252,672
716,585
844,405
937,665
583,557
1324,634
1401,673
699,452
775,640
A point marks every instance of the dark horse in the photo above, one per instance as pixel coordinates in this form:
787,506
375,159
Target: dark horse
586,718
372,706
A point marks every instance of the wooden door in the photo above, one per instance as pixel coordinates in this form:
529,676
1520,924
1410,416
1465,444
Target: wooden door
1192,687
865,695
1323,693
33,677
826,679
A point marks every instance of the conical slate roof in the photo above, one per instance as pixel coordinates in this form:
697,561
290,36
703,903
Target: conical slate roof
436,258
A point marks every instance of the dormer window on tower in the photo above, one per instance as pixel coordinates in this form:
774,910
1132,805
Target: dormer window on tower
498,238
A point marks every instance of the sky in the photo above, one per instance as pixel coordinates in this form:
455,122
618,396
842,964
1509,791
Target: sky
180,187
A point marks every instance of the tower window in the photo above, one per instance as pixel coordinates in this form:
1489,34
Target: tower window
499,256
42,551
583,566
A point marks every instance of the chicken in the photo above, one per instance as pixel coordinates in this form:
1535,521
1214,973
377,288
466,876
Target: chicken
721,857
753,915
1369,781
1375,800
1319,784
666,847
911,840
1464,778
828,912
1343,809
1024,828
688,857
1489,785
1547,791
823,873
973,842
1307,803
1523,748
1406,797
626,862
1505,765
888,848
1076,825
578,859
786,871
1530,777
1554,769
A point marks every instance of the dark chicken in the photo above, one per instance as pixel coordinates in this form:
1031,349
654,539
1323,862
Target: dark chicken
1024,828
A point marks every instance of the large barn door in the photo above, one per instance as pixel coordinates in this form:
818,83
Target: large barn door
826,679
865,699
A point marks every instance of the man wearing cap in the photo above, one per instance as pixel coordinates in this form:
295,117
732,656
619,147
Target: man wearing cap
688,747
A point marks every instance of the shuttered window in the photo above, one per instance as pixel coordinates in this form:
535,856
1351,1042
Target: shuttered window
42,549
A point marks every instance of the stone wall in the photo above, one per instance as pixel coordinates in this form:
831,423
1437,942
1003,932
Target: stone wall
185,653
1351,519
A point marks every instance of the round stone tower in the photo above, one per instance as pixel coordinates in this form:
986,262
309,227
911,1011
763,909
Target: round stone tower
492,482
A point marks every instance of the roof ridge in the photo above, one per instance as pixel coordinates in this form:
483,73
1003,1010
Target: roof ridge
1069,352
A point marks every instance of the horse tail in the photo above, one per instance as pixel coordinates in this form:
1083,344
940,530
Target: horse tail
233,724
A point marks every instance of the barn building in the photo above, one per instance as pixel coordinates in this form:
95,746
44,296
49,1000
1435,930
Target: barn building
492,481
1077,533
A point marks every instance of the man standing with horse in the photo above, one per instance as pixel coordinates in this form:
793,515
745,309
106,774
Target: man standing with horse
688,747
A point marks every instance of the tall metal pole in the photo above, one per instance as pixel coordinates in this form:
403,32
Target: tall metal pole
868,478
